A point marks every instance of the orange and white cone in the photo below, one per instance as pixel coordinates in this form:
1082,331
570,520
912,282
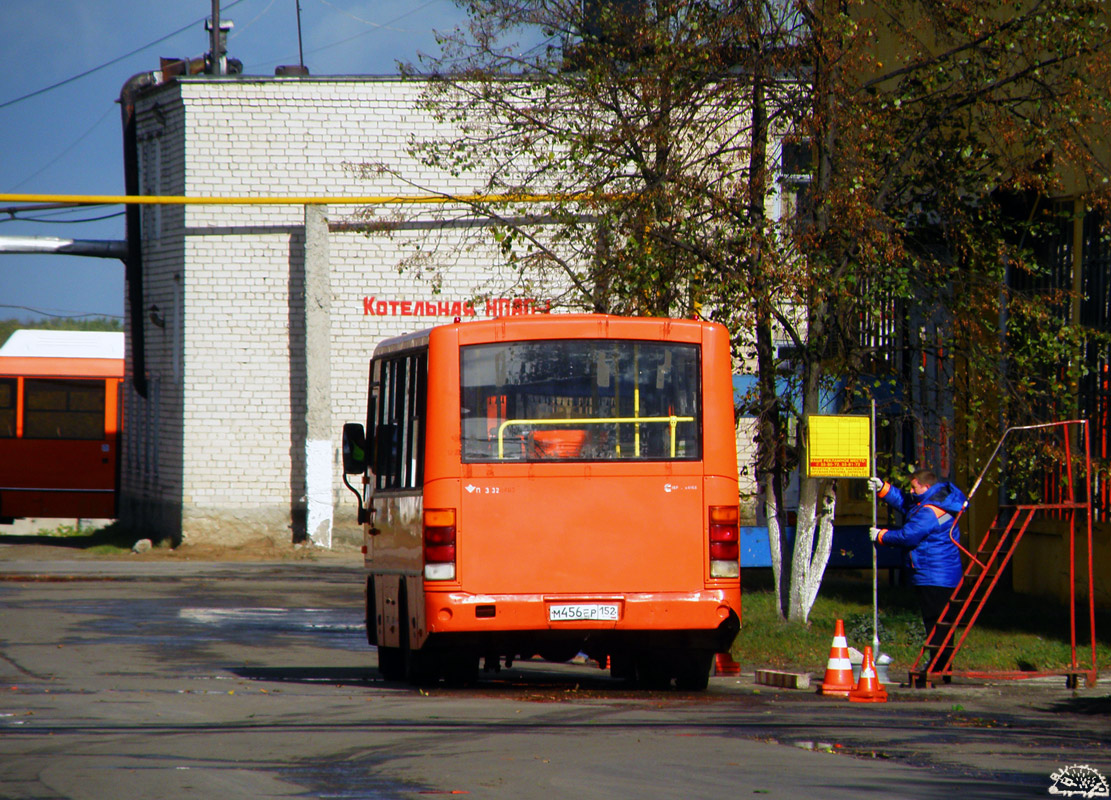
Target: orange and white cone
725,665
868,689
838,680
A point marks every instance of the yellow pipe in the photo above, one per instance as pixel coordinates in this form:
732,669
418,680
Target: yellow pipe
368,200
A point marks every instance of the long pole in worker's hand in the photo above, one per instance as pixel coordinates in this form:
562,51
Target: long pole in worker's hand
875,571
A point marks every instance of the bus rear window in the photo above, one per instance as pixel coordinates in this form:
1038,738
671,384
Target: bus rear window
63,409
585,400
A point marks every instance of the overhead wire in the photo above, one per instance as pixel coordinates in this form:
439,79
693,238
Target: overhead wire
43,219
64,152
116,60
378,27
371,23
61,316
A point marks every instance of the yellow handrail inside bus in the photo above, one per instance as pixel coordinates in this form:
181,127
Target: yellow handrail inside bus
671,420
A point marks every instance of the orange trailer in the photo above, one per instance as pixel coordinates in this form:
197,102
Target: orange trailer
551,485
60,412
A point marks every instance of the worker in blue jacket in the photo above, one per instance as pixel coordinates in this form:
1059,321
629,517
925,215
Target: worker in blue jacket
931,555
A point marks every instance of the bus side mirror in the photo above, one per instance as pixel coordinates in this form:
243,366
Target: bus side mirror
354,449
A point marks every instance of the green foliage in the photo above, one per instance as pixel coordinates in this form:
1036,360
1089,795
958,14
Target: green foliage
64,530
10,326
896,626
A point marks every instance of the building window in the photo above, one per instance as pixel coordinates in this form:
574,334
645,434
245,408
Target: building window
1095,385
796,162
1086,297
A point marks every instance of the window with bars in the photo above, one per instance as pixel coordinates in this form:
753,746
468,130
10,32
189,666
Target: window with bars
400,397
1094,398
1085,297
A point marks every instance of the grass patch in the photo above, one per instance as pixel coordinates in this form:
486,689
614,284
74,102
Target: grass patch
110,540
64,531
1014,632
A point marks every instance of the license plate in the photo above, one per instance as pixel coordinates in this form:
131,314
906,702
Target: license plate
574,612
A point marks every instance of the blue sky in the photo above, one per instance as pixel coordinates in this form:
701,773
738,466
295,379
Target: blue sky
68,140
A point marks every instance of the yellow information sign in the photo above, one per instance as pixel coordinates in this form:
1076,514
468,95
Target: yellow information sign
839,446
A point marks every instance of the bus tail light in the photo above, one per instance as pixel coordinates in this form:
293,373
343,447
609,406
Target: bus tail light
439,544
725,542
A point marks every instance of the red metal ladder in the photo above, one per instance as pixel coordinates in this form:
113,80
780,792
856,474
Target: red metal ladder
984,567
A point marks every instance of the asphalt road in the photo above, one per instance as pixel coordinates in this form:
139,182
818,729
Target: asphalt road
160,679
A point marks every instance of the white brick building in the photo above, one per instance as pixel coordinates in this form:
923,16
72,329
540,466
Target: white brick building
217,448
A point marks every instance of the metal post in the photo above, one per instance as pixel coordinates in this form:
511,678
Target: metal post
214,40
300,49
875,560
1093,674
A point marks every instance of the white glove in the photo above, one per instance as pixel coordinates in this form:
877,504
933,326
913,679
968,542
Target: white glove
874,533
874,484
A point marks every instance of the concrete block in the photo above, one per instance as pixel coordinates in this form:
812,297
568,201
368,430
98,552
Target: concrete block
783,680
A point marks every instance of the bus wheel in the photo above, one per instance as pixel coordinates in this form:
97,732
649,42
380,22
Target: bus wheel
371,614
693,670
418,667
391,663
459,668
653,669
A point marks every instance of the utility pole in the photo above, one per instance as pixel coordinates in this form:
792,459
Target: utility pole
300,49
319,448
217,46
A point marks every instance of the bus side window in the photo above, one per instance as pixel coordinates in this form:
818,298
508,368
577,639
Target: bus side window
57,408
399,406
386,458
7,408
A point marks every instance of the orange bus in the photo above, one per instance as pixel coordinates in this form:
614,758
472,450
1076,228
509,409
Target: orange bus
550,485
59,422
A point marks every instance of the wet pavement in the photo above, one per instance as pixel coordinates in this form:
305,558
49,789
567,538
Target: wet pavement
138,678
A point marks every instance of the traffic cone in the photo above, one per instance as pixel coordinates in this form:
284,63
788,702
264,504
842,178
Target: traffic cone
869,689
839,670
725,665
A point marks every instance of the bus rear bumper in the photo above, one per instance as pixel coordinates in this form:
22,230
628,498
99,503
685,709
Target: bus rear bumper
707,619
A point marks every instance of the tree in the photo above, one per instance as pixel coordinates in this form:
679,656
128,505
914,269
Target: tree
667,118
668,133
